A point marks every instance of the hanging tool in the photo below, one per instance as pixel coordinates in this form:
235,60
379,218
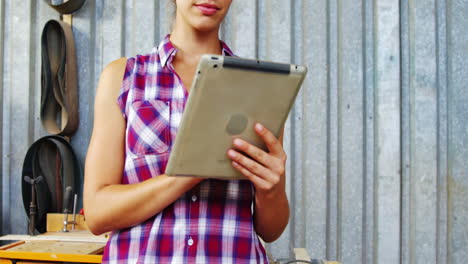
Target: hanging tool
32,205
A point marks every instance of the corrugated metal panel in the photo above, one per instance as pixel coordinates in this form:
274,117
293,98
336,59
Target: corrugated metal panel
2,8
387,133
457,149
377,140
420,133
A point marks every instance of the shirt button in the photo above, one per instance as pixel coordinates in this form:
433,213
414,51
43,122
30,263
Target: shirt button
190,242
194,198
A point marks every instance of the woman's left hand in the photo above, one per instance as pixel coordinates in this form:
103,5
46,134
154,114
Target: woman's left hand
266,170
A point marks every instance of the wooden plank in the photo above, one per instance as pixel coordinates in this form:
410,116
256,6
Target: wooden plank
31,262
60,247
77,246
51,257
301,254
84,235
5,247
74,233
62,238
55,222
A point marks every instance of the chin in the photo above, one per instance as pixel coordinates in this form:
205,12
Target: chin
206,26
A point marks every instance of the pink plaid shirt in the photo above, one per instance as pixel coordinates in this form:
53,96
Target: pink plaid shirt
211,223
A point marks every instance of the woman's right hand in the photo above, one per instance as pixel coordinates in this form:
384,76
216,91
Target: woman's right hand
108,204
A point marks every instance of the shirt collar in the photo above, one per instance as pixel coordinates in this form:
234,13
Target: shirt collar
166,50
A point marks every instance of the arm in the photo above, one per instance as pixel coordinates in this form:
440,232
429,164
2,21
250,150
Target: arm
108,204
267,172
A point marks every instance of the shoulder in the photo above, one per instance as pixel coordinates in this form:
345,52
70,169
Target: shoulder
111,78
126,66
115,68
116,77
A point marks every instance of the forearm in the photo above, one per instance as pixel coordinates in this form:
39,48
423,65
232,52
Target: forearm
271,216
123,205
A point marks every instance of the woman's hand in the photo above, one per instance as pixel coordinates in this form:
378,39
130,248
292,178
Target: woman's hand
266,170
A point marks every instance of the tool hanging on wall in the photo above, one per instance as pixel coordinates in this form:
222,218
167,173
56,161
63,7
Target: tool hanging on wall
59,75
33,204
50,164
59,87
41,161
67,7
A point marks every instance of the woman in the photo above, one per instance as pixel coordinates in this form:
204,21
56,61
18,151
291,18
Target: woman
155,217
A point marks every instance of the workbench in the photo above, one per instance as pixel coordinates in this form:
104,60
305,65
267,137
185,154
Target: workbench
78,245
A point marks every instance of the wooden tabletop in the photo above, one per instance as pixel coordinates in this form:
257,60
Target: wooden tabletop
78,246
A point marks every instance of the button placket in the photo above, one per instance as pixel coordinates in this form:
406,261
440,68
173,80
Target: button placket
192,199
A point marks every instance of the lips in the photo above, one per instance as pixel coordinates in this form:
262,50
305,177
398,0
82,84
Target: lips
207,9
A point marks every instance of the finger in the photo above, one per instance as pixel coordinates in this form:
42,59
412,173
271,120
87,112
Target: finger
254,152
257,181
272,143
249,164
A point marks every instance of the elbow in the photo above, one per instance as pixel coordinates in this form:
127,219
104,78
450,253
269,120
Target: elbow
271,235
95,215
270,238
272,230
95,221
94,226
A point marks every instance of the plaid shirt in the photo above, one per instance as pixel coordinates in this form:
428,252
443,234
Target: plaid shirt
211,223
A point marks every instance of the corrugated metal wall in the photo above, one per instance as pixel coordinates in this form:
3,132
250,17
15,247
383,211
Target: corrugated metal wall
377,140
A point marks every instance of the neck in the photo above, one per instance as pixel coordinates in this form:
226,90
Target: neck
191,42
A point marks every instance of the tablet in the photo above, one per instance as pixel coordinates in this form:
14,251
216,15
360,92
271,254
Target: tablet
228,96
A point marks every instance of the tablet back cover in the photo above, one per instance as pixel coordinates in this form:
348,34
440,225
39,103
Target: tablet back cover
228,96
